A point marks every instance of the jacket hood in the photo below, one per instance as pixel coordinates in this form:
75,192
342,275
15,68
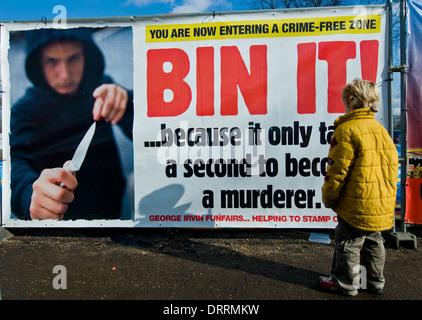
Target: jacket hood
361,113
37,39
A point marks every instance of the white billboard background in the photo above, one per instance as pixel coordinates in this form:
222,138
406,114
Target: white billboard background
167,190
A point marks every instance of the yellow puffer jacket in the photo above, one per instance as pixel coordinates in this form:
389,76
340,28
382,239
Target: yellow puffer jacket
361,181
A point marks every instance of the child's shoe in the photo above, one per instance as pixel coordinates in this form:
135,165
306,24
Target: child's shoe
328,283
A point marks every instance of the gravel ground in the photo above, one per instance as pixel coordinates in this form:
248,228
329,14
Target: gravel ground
163,264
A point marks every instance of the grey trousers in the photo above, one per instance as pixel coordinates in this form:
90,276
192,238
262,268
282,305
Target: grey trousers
359,258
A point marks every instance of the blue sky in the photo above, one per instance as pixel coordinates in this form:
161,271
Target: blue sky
35,10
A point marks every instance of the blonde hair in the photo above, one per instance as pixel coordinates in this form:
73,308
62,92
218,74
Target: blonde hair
360,94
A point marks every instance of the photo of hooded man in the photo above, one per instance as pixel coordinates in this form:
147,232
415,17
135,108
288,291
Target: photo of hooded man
69,91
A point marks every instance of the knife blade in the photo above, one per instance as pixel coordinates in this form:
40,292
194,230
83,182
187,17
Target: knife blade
80,153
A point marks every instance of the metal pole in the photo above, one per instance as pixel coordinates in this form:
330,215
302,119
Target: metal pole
403,115
395,237
390,78
390,68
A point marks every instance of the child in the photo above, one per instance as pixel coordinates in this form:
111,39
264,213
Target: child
360,186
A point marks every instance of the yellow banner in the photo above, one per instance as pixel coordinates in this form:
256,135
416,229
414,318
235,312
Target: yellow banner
296,27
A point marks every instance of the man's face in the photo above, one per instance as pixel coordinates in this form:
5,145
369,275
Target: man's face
63,66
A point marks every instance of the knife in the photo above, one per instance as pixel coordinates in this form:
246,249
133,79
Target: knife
80,153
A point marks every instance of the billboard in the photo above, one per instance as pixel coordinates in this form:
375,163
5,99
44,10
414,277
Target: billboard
225,118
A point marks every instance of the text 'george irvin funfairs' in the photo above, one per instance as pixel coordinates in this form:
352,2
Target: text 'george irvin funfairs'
233,114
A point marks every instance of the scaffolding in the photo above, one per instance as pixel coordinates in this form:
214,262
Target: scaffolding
399,234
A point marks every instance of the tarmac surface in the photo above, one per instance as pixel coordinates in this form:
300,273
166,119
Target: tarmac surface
180,265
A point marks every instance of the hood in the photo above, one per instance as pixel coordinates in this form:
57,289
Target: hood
361,113
36,39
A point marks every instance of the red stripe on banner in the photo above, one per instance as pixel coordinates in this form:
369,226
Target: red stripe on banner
369,59
306,88
413,201
336,53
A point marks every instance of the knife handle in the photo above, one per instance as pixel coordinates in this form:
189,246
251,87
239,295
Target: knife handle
67,166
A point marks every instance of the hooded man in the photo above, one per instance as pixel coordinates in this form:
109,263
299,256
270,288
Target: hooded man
69,92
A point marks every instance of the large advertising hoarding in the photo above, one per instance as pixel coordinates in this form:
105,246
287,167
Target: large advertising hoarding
222,120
